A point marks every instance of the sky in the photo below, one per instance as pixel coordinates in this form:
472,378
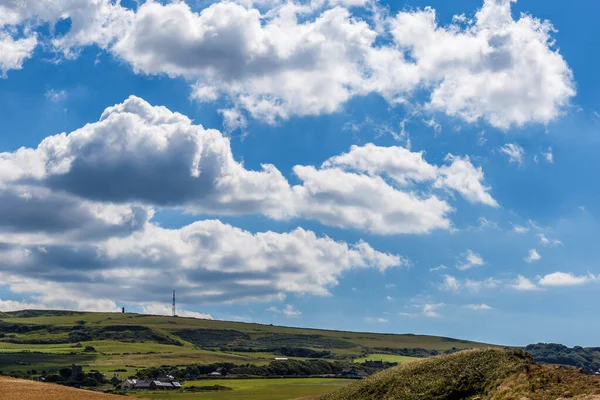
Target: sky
407,167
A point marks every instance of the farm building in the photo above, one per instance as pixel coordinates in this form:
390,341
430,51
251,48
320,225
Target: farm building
139,384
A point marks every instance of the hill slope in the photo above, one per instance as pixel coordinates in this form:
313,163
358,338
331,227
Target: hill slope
489,374
20,389
109,341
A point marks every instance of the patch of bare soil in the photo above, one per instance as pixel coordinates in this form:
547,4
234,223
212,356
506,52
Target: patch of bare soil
21,389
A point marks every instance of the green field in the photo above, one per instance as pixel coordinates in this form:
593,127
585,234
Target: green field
257,389
47,340
385,357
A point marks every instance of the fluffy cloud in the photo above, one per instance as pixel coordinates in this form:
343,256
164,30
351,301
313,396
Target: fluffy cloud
431,310
405,167
310,59
207,261
524,284
533,256
471,260
520,229
514,152
450,283
14,52
493,67
142,154
566,279
365,202
137,152
39,212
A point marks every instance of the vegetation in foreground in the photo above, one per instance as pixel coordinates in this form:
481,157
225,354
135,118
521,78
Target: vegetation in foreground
489,374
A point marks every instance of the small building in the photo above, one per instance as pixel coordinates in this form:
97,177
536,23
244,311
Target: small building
281,359
142,385
129,384
164,385
215,373
116,380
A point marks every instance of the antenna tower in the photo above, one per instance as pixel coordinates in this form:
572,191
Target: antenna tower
174,309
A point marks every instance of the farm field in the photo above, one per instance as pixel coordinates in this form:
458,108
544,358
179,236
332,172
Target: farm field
20,389
258,389
44,340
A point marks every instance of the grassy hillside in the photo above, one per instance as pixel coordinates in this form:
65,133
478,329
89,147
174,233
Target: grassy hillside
109,341
490,374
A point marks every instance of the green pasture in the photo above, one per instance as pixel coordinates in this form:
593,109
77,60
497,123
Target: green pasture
256,389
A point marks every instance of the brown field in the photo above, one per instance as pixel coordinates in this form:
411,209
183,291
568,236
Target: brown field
21,389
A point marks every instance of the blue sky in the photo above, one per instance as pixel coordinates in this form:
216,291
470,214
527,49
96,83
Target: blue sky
423,167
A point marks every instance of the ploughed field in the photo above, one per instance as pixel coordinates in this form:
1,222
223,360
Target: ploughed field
22,389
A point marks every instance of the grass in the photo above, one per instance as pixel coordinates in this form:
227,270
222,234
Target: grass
41,361
490,374
257,389
385,357
254,331
131,341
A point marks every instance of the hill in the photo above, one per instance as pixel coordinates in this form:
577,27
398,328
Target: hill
587,358
489,374
21,389
110,341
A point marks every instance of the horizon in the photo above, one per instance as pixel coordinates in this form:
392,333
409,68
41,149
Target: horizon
353,165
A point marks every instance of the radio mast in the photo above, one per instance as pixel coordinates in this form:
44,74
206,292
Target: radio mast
174,309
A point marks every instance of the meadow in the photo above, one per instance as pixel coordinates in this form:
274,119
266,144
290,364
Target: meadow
32,342
256,389
43,340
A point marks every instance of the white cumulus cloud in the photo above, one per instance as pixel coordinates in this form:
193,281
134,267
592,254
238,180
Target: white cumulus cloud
533,256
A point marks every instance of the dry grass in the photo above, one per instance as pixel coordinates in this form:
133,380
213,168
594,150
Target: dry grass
541,382
20,389
475,375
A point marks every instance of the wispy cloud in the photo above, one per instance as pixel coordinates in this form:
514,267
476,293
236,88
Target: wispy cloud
515,153
471,260
56,96
288,311
372,320
566,279
548,242
478,307
439,268
520,229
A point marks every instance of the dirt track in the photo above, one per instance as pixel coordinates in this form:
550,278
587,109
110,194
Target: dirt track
20,389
